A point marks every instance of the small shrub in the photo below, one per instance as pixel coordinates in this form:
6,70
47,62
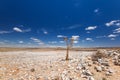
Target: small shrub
104,78
98,55
32,70
56,78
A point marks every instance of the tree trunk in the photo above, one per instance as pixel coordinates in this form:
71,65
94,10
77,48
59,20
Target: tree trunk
67,53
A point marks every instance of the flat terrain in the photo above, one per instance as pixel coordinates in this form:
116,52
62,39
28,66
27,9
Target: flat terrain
46,65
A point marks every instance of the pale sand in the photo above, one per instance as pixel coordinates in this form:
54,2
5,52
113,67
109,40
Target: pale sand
17,64
44,65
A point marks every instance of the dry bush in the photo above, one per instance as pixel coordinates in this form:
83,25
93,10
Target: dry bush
57,78
32,70
99,55
104,79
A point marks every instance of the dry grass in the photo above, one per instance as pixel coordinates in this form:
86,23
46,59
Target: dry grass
99,55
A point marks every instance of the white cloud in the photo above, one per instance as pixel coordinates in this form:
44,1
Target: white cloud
91,28
72,27
96,10
112,35
40,43
5,32
76,37
52,42
2,43
17,29
117,30
112,38
88,32
44,31
60,36
20,30
36,40
101,36
62,41
113,23
89,39
27,30
75,42
6,41
21,42
83,41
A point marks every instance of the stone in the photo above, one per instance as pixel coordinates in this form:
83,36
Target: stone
65,72
90,78
64,75
95,62
108,74
78,68
116,62
110,71
115,53
83,76
87,73
89,58
10,79
90,63
103,68
98,68
115,57
100,60
105,63
65,78
84,65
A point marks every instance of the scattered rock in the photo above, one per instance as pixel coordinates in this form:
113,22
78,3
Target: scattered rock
108,74
90,78
105,63
95,62
71,71
87,73
100,61
89,58
98,68
83,76
103,68
110,71
90,63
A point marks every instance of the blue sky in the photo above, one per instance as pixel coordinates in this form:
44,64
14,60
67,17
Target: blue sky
36,23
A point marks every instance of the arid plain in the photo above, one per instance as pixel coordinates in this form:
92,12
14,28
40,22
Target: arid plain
50,64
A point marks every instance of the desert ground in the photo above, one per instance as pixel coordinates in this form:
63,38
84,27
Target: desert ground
50,64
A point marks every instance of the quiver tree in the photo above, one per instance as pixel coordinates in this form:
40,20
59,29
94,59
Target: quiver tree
69,43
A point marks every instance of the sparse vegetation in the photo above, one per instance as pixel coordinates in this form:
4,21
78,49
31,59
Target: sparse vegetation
104,78
32,70
47,65
56,78
69,44
98,55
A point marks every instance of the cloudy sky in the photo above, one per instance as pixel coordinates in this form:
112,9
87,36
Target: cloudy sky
31,23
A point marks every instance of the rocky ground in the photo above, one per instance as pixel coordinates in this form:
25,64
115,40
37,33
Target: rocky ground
50,65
